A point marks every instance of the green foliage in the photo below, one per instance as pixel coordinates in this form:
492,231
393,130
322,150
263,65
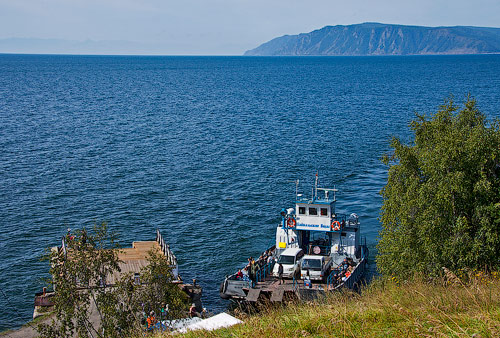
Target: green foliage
441,203
79,279
157,290
86,305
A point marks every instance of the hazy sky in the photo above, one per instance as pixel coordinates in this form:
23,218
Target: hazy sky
222,26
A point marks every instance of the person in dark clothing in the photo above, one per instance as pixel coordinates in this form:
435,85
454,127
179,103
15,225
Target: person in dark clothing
280,273
192,311
345,265
254,267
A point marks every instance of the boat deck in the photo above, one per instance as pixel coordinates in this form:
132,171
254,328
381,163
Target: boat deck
276,292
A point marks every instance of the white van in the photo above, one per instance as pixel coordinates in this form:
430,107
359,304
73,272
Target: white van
291,259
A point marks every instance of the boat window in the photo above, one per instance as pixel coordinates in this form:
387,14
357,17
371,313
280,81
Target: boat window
324,212
302,210
313,211
286,259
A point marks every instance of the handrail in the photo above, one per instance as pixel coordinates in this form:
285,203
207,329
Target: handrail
346,219
349,282
264,271
272,248
165,248
329,280
63,247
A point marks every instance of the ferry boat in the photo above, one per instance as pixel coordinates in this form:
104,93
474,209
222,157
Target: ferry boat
319,250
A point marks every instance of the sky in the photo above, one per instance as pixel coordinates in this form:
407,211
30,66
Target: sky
220,27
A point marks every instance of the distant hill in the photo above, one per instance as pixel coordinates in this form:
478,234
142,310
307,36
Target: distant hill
385,39
60,46
93,47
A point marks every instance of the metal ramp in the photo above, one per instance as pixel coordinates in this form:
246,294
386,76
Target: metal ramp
253,295
277,295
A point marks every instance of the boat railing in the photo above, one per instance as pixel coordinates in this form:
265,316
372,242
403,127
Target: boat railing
331,282
63,247
265,271
355,275
347,221
364,248
267,267
165,248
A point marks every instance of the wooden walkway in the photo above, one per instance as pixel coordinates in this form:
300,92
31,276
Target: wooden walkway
133,259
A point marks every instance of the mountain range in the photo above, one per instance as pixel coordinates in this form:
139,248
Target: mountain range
384,39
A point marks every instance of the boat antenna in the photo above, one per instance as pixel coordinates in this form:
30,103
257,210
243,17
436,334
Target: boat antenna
296,187
316,186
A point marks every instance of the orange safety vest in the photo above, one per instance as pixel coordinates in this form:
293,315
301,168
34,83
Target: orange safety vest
151,321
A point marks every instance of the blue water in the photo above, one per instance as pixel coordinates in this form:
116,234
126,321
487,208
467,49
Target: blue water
203,148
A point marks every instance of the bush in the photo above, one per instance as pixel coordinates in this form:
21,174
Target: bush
441,204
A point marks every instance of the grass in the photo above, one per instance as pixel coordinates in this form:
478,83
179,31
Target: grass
386,308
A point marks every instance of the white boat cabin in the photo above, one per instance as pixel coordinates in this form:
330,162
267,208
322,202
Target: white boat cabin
314,226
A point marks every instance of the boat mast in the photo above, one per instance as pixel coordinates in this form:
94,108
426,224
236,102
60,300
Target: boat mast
316,187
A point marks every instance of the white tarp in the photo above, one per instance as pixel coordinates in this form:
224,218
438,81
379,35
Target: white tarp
221,320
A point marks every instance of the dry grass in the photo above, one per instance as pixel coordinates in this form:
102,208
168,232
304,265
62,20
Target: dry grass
386,308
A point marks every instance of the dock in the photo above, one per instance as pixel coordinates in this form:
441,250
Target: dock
131,261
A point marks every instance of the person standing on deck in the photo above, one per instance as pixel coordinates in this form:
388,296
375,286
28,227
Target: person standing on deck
253,272
249,269
280,273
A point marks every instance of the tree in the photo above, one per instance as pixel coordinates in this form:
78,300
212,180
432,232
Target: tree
441,203
85,304
78,276
155,292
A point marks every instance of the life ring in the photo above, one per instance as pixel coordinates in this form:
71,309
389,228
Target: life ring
291,222
335,225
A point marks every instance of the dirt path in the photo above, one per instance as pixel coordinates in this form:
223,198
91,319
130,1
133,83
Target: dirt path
26,331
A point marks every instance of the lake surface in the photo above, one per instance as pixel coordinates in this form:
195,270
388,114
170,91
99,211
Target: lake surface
203,148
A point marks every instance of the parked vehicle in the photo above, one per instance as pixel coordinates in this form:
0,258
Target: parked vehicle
291,259
315,267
